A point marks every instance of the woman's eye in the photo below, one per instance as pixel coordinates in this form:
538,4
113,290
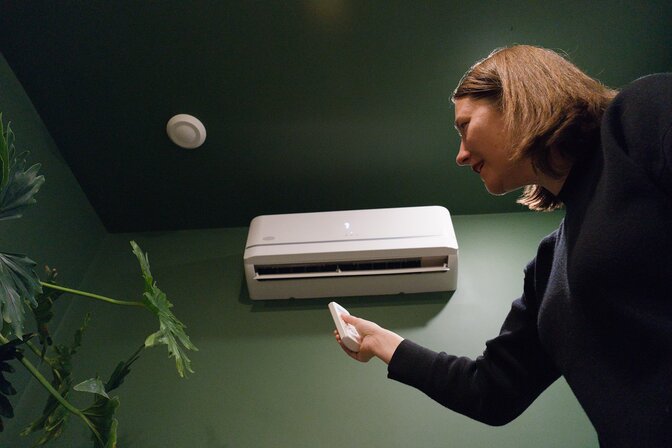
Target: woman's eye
463,129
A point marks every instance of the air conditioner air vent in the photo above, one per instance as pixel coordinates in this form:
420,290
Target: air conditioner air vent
351,268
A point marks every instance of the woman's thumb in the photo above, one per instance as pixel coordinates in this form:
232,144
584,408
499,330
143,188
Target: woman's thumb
349,319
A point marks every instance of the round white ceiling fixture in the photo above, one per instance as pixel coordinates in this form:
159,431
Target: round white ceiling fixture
186,131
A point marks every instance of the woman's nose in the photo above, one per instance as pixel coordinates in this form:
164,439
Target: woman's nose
462,158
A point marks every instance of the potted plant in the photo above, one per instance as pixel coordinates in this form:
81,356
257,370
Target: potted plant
22,293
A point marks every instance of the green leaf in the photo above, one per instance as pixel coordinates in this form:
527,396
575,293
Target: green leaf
18,184
8,352
171,330
18,283
101,414
54,416
4,153
112,435
43,311
122,369
92,386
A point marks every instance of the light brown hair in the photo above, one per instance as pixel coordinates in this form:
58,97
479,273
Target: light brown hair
546,101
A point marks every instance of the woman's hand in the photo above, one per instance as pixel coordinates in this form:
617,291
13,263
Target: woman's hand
375,340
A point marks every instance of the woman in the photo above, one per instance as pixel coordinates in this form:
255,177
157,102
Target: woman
596,306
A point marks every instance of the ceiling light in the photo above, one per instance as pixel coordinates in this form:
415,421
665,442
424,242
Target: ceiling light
186,131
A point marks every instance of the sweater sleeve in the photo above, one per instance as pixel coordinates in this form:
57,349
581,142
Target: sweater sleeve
497,386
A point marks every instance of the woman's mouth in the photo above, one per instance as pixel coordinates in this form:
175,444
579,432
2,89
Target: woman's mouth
477,167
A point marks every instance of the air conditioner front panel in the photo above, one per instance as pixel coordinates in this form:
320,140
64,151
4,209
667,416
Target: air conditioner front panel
362,252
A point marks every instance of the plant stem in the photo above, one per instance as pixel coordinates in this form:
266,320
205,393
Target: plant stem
92,296
47,385
32,347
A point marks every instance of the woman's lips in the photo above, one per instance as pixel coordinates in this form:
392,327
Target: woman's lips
477,167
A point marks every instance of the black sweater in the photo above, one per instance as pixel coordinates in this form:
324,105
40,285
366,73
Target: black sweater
597,299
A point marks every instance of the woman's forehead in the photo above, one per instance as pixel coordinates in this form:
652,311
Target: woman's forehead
466,106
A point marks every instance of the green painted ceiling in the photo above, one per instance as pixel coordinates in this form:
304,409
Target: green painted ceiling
309,105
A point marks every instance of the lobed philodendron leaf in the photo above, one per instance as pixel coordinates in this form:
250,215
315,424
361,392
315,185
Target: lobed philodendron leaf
18,283
171,330
18,185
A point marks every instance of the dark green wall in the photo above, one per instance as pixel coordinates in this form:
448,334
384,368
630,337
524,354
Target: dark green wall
270,374
267,374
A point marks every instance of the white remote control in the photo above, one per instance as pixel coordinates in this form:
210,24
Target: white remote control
348,333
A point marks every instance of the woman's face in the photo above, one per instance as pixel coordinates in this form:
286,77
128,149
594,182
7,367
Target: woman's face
484,147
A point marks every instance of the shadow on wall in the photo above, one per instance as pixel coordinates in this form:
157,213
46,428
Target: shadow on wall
214,304
435,302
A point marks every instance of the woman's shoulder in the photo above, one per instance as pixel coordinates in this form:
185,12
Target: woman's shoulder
642,109
650,90
648,82
638,123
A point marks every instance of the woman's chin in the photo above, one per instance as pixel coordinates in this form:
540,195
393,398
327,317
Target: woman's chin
495,190
498,189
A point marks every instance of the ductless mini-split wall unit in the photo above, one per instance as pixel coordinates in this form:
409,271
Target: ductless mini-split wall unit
351,253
